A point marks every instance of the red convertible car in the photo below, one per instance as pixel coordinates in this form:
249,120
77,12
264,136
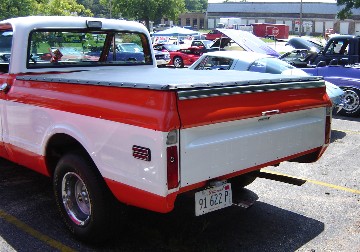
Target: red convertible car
180,57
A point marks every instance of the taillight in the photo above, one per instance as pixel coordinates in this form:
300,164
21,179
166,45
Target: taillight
172,167
328,125
172,160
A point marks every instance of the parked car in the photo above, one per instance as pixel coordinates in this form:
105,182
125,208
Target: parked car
336,71
126,52
348,79
128,47
214,34
257,62
205,45
162,58
180,57
344,48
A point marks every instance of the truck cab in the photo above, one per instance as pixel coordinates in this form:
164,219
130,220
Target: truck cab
341,49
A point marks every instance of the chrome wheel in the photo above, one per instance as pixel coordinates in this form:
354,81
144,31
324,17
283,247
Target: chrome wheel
76,199
178,62
352,102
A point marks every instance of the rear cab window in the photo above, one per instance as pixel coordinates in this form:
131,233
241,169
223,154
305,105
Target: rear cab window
71,48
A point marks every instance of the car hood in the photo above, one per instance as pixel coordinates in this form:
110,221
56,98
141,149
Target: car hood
300,43
246,40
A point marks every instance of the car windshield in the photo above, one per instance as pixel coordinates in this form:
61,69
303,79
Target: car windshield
129,47
54,48
208,44
171,47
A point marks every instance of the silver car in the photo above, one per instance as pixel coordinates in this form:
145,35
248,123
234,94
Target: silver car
257,62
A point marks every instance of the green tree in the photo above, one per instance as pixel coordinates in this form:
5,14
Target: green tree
346,12
95,7
14,8
145,10
196,5
63,8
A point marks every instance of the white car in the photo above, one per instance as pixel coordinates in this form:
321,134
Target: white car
257,62
162,58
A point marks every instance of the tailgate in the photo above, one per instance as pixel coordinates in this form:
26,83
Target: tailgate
226,132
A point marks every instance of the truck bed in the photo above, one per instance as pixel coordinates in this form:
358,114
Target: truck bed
228,126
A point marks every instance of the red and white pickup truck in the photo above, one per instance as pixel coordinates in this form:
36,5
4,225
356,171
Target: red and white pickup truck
107,124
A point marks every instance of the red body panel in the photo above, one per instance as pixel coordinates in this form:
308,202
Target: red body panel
152,109
214,34
136,197
187,58
221,108
26,158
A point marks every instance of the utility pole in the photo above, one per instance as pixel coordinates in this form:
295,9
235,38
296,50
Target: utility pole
301,12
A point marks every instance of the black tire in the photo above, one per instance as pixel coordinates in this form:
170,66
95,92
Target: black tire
352,102
178,62
83,199
244,180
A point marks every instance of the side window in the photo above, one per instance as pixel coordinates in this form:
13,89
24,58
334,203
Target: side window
258,66
270,65
214,63
338,47
331,48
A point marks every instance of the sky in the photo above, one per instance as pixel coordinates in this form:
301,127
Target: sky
326,1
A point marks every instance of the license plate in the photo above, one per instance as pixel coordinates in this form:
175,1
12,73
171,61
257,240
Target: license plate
213,199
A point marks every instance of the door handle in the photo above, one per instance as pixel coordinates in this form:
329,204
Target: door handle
270,112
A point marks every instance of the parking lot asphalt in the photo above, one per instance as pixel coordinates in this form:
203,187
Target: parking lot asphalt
322,214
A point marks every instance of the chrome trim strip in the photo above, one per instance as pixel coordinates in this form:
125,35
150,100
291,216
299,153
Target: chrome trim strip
247,89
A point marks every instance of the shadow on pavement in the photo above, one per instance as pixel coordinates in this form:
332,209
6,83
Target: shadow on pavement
263,227
337,135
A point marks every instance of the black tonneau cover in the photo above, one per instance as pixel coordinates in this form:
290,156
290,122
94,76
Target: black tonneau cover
179,79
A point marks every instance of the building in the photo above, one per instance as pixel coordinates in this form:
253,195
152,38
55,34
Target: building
316,17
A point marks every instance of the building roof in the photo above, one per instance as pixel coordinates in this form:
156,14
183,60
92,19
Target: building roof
276,7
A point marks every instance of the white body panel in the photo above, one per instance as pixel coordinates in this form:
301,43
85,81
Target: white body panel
215,150
108,143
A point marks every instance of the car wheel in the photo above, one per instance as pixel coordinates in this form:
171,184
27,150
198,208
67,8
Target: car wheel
82,198
178,62
352,102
